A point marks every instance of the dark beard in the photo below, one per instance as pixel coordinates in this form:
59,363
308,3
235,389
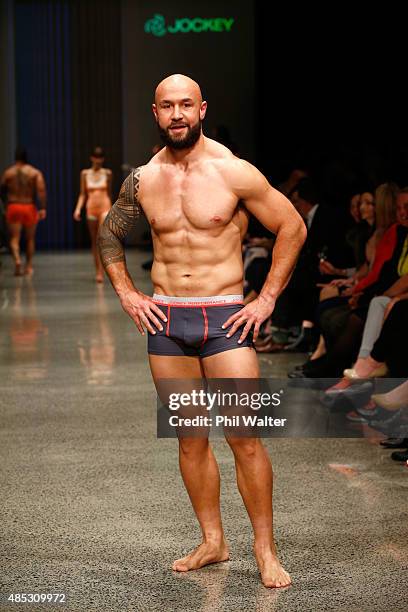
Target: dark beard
193,134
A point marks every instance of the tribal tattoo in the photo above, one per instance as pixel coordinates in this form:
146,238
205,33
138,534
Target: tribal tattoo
120,220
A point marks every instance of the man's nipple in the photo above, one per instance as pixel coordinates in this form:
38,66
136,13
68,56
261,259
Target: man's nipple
216,219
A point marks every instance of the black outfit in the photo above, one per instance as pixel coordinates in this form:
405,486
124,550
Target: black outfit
301,297
256,273
343,339
391,346
357,238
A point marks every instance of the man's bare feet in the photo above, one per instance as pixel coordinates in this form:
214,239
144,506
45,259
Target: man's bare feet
29,271
205,554
99,278
272,573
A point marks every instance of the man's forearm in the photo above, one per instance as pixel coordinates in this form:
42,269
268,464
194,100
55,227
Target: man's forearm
42,198
120,278
112,254
285,253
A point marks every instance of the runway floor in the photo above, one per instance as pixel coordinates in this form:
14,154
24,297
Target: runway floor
92,502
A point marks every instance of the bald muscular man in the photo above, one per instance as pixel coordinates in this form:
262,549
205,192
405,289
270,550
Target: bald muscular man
22,183
197,196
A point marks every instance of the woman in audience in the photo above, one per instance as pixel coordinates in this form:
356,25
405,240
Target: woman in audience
343,346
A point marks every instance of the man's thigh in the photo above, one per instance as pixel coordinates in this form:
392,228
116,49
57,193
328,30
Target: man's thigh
177,375
185,370
169,366
237,363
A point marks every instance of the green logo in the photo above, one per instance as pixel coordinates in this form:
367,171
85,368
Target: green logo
157,25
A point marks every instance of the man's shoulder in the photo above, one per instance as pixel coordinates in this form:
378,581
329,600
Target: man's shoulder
216,150
238,173
32,170
223,160
8,172
12,170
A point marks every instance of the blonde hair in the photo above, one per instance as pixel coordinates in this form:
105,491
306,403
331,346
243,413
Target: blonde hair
386,205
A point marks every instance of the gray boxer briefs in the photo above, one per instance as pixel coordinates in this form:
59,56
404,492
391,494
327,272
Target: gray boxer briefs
193,326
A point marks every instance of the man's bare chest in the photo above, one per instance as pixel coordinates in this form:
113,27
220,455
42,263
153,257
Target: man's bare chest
196,201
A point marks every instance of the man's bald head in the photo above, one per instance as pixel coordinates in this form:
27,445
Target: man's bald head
179,110
177,84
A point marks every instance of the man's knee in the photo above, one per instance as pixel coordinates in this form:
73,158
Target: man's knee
193,447
244,447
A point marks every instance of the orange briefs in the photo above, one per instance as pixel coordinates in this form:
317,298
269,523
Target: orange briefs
23,214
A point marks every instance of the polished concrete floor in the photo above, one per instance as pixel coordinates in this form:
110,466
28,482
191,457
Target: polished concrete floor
92,504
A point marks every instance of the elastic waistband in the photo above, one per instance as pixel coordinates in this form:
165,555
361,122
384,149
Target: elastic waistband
211,300
20,204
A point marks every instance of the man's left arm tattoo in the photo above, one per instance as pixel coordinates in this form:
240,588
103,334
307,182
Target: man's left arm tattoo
121,218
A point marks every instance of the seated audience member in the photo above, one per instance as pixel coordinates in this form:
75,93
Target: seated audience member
342,347
391,411
298,302
379,309
372,239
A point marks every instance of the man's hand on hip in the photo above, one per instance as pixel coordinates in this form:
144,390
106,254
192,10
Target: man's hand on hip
253,314
142,310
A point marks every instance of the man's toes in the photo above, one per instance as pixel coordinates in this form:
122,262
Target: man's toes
276,584
180,566
283,582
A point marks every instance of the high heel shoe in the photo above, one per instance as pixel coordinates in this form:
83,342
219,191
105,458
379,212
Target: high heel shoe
379,372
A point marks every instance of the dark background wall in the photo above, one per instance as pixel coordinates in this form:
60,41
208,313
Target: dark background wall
334,82
7,78
43,106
